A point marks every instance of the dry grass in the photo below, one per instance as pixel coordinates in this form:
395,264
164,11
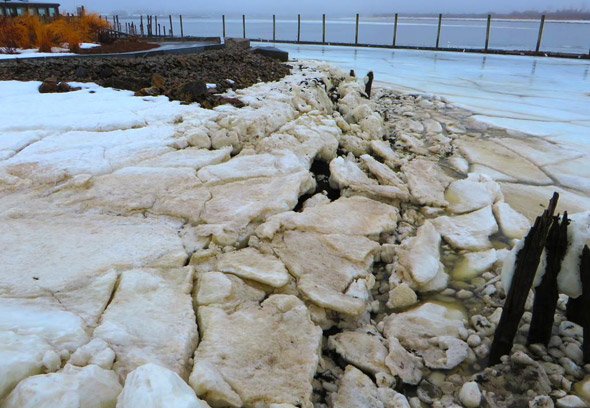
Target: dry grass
33,32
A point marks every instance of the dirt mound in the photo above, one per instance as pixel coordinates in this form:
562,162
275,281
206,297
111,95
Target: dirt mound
180,77
123,45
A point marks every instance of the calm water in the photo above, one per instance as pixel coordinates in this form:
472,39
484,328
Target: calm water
571,37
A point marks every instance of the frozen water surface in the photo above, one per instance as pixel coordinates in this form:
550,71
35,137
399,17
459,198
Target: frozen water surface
542,96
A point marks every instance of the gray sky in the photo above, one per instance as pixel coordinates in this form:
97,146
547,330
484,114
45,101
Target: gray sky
333,7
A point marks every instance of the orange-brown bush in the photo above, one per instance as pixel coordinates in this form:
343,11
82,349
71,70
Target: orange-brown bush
31,31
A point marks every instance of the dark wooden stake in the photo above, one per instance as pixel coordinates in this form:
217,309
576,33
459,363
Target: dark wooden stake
488,31
181,27
540,37
585,300
323,28
298,27
356,31
156,25
438,31
352,74
274,27
546,294
223,24
527,261
243,25
395,31
369,83
141,24
171,26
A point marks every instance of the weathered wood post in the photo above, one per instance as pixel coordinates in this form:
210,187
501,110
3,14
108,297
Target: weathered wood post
541,29
298,27
156,26
546,294
274,28
323,28
141,24
171,26
585,301
488,31
525,268
223,24
356,31
181,27
438,31
369,83
243,26
394,43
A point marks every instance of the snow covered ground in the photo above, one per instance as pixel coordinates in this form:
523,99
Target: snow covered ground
56,52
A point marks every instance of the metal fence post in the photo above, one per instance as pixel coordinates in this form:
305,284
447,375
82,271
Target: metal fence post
395,31
243,25
274,28
323,28
171,26
181,27
356,33
540,38
298,27
438,32
223,24
488,31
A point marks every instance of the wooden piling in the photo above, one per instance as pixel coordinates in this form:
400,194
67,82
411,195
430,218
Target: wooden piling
488,31
540,37
438,31
356,31
141,24
298,27
546,294
525,268
171,26
223,24
585,301
369,84
156,25
323,28
394,43
243,26
274,28
181,27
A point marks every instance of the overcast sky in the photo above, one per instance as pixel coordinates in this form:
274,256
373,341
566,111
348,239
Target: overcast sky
333,7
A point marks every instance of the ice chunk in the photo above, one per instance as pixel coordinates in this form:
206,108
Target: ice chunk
473,193
469,231
473,264
513,224
427,182
248,263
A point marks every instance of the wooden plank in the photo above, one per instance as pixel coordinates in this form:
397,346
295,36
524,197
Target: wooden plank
546,294
356,31
438,31
525,268
488,31
395,30
540,37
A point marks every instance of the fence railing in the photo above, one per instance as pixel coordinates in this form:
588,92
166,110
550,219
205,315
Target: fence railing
150,26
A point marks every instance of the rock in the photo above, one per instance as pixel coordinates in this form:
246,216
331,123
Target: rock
383,149
392,399
427,182
191,91
473,193
574,352
470,395
541,401
403,364
236,43
446,353
432,126
401,297
356,390
272,52
52,86
161,297
151,385
428,392
469,231
364,349
273,361
571,401
73,387
225,291
512,224
419,259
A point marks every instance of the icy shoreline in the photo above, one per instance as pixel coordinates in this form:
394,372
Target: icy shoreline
302,298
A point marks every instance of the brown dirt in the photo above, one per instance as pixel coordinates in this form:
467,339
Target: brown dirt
180,77
126,45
